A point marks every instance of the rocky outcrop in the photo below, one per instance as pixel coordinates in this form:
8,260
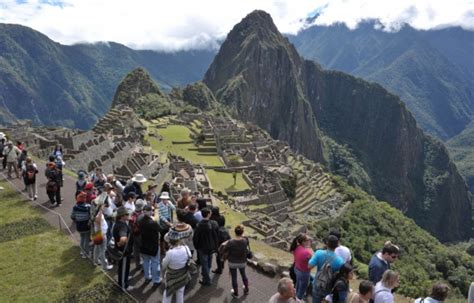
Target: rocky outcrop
199,95
259,74
256,74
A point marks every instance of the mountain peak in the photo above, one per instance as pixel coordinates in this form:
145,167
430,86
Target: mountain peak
136,84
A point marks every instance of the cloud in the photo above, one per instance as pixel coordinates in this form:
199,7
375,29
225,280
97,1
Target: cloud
185,24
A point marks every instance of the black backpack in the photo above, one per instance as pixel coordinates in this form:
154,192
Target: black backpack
222,235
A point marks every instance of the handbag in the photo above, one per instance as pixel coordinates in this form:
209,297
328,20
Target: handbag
113,251
249,251
190,264
98,237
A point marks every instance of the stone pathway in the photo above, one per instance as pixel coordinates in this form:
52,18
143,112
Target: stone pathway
262,287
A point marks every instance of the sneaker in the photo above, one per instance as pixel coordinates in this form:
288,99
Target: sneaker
109,267
246,290
234,294
83,256
35,197
130,288
54,204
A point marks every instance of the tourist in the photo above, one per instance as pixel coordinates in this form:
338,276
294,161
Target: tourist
135,185
20,145
383,288
185,199
381,260
123,239
109,208
59,165
439,293
205,241
189,217
81,216
22,158
342,251
2,147
139,205
318,260
130,204
237,251
149,246
150,198
216,216
176,271
11,154
365,294
301,249
222,237
81,181
100,182
286,292
53,189
95,175
117,185
29,172
165,210
90,191
58,151
340,290
100,230
181,231
201,204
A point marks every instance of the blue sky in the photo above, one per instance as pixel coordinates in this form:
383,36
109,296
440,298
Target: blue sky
185,24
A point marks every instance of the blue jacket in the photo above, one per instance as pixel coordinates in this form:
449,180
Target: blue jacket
81,215
376,268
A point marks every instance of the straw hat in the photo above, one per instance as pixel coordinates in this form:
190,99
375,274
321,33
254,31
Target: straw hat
139,178
165,196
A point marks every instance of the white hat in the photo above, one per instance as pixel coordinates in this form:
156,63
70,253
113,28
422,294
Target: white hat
165,196
139,178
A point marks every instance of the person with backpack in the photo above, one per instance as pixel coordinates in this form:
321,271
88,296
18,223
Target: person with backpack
328,264
81,216
222,237
237,251
205,241
340,290
53,190
439,293
100,238
123,243
150,246
301,249
383,289
11,154
381,260
29,171
139,205
59,166
135,185
81,181
189,217
342,251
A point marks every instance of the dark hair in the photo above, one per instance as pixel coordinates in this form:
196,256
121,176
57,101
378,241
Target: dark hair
52,158
390,248
332,242
215,211
239,230
180,214
205,212
336,233
365,287
165,187
192,206
439,291
298,240
131,194
201,203
344,271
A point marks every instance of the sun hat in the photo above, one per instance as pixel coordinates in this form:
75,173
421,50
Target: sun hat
165,196
122,211
139,204
139,178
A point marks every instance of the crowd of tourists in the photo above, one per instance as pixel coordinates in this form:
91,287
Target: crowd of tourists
124,221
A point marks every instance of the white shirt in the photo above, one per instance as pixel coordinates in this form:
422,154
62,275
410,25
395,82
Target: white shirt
176,257
129,206
427,300
343,252
382,294
103,225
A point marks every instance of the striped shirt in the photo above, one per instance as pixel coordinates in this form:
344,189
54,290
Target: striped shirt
166,211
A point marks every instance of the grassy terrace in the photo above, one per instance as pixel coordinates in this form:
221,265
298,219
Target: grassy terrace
41,264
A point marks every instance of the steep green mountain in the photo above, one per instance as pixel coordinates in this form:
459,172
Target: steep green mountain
432,71
461,149
73,85
259,74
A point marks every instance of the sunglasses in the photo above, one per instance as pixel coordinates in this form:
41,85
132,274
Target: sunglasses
394,256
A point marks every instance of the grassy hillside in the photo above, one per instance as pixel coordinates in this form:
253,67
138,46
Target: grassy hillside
41,264
367,224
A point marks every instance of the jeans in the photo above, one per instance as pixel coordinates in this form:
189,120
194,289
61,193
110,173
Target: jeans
151,267
136,252
206,261
123,272
219,262
302,281
31,188
233,274
318,296
99,253
85,238
179,296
